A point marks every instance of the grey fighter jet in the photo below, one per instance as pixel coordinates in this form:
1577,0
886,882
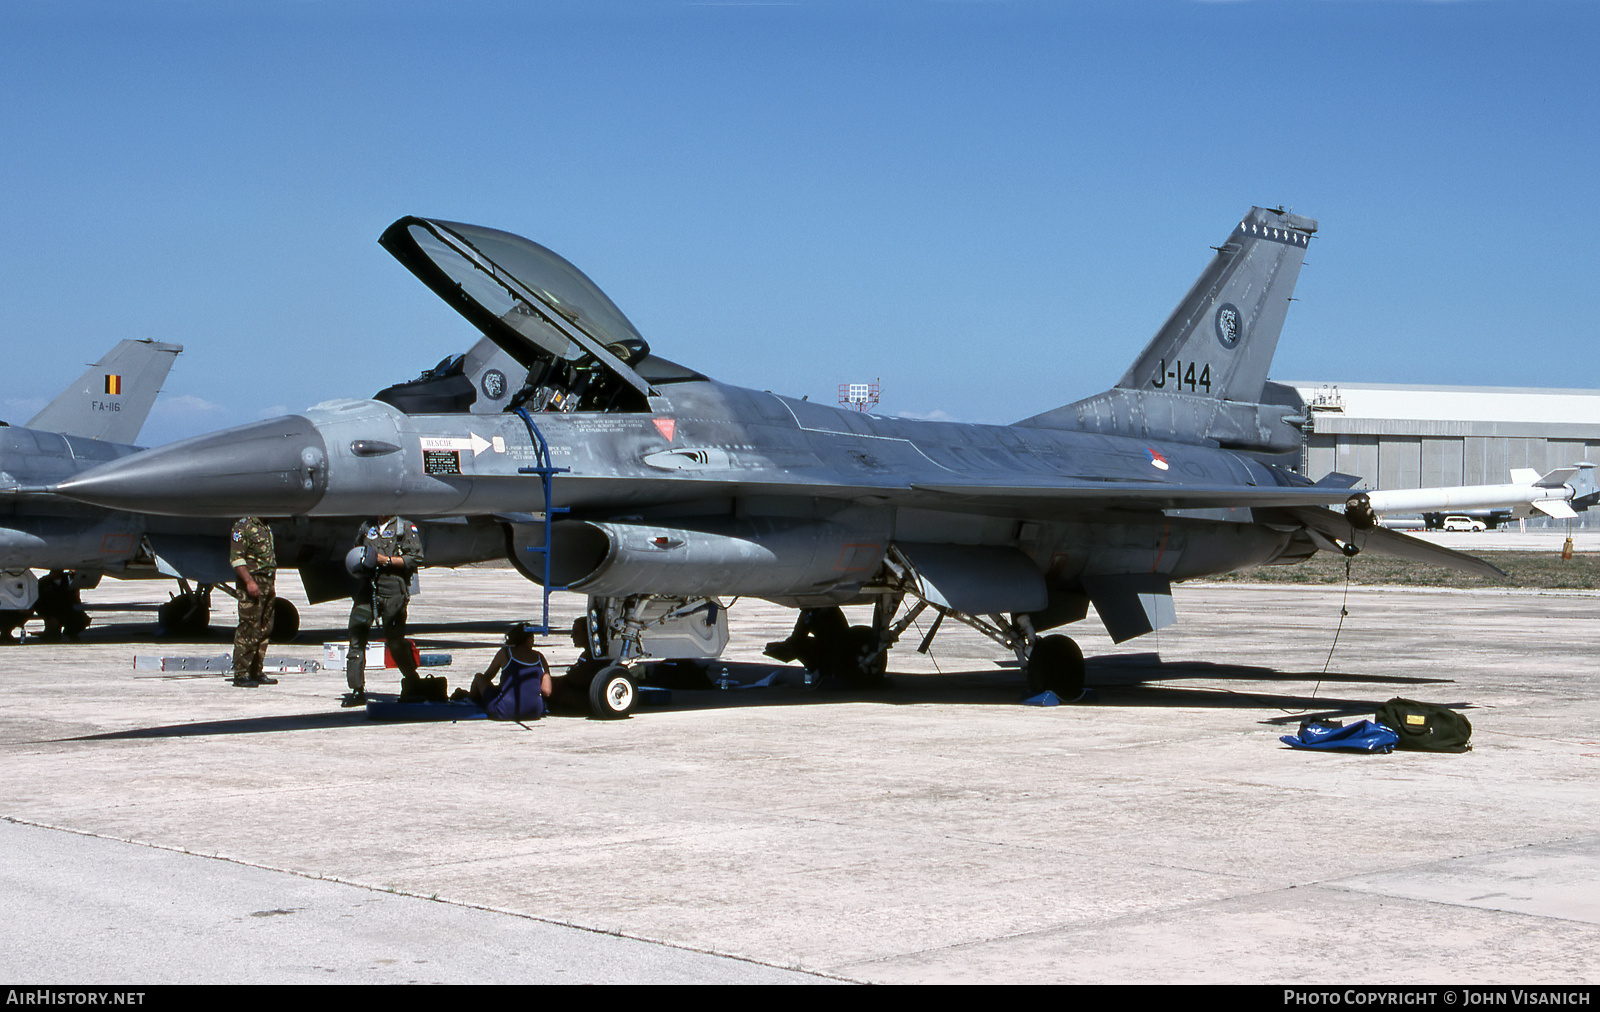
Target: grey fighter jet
659,492
113,398
96,420
92,421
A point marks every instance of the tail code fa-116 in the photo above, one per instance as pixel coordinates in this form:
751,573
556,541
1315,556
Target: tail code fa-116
681,491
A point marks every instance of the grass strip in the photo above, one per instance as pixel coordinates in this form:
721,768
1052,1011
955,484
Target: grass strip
1528,570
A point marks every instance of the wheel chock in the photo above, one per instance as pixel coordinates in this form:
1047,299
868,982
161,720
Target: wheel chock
1049,698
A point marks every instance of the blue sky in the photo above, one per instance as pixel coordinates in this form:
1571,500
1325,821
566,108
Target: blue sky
990,206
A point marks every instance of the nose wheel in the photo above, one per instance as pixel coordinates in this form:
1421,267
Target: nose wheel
613,693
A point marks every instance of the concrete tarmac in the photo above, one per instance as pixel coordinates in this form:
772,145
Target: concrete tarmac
169,827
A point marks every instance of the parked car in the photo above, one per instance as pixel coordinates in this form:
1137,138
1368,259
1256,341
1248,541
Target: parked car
1464,524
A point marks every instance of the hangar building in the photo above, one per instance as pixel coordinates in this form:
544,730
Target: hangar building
1420,436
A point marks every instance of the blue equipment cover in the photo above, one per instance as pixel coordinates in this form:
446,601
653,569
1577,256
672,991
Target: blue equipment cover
1362,736
389,710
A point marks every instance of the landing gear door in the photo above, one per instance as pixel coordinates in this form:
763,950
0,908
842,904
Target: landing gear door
697,629
976,579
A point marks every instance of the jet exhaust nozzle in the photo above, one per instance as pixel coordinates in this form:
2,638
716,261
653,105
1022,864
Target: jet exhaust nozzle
278,467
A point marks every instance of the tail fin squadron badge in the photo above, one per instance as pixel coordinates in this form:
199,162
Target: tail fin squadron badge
1229,325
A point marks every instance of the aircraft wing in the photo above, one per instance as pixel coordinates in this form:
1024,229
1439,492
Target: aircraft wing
1302,506
1046,498
1052,496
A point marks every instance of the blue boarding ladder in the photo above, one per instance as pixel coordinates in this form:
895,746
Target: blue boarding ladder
546,473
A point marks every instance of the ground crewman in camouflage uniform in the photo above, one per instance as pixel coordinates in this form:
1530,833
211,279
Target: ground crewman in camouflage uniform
393,551
255,561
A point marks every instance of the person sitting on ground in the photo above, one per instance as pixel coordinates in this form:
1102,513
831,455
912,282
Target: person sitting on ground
10,621
525,683
61,607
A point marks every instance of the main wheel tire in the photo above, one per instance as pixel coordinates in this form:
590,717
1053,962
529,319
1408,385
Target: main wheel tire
613,693
1056,664
850,661
817,641
285,621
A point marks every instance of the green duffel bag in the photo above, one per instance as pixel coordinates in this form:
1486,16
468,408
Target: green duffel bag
1426,727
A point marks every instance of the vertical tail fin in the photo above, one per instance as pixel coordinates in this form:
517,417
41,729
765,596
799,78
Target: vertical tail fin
1220,340
112,400
1203,377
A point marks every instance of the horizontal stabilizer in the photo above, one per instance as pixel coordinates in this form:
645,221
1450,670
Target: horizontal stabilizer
1334,479
1382,541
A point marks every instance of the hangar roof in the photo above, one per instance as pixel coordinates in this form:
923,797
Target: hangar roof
1461,404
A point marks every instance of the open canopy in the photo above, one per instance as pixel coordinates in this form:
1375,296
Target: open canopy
579,348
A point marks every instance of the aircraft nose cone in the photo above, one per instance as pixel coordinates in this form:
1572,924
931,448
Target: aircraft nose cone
278,467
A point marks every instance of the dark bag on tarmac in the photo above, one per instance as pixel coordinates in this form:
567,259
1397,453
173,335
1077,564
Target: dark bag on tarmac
1426,727
432,689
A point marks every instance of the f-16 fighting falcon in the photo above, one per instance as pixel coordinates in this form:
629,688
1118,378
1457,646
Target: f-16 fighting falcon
660,492
91,421
95,420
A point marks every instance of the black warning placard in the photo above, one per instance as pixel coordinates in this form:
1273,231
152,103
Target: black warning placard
441,461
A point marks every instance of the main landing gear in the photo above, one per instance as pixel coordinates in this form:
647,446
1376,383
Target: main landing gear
1055,663
825,642
187,614
617,631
